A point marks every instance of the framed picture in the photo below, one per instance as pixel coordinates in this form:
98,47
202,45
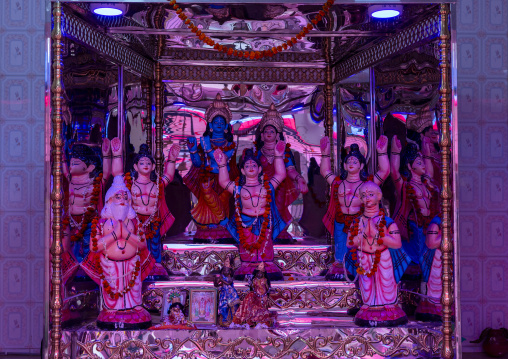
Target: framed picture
203,306
169,295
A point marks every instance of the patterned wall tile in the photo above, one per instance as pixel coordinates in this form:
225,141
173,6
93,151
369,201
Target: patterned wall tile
15,96
15,326
38,8
469,188
495,193
14,195
471,278
15,49
496,56
39,88
16,284
495,315
495,15
468,15
495,233
36,325
37,139
495,271
495,102
38,52
15,143
495,150
16,234
15,14
37,280
472,320
37,235
470,230
470,101
470,142
469,58
37,197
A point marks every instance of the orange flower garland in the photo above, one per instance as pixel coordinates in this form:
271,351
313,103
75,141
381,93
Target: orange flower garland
264,227
105,282
253,55
377,254
89,213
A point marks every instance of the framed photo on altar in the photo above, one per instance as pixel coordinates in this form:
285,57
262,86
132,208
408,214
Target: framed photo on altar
203,306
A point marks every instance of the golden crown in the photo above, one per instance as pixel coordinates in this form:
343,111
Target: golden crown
272,117
218,108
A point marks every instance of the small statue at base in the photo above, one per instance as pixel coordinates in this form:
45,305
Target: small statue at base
376,256
254,308
229,300
429,309
175,318
119,261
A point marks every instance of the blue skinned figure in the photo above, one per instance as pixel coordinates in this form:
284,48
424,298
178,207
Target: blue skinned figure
202,179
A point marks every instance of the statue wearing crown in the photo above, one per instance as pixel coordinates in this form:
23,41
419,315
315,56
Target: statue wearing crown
256,220
345,203
148,199
118,261
203,178
253,311
229,300
269,131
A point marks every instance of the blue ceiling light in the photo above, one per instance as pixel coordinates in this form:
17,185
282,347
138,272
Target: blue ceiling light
108,9
177,103
297,107
385,11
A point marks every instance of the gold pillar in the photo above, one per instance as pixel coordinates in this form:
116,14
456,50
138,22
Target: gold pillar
447,193
147,87
329,100
159,108
57,191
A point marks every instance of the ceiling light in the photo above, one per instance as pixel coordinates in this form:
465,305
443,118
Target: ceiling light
385,11
108,9
177,103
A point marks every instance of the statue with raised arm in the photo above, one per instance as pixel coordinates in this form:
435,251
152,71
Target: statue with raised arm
202,179
376,256
345,203
429,309
119,261
269,131
148,200
86,175
256,220
417,196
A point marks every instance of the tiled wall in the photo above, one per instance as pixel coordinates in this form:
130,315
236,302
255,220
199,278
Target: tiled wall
482,36
483,193
21,174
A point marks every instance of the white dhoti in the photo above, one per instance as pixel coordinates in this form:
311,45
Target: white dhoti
381,288
434,284
119,274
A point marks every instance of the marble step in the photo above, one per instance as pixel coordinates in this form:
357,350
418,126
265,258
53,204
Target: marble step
186,259
304,296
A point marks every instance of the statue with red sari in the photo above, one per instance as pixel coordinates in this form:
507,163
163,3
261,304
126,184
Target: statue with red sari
213,202
269,131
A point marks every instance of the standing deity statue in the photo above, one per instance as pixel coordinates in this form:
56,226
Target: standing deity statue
429,309
228,296
417,196
256,220
119,261
345,203
86,176
253,310
269,131
202,179
148,200
376,256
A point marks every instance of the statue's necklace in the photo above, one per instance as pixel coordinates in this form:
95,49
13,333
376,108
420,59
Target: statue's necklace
141,192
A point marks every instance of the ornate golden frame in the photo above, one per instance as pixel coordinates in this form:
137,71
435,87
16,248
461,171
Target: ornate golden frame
82,32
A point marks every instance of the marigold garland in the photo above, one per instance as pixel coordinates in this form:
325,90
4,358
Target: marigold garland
422,220
355,228
253,55
264,227
105,283
89,213
341,217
